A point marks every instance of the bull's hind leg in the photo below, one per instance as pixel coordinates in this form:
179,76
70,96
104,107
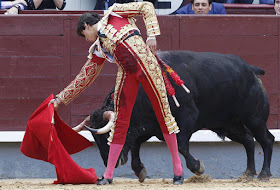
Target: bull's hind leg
254,115
266,140
244,137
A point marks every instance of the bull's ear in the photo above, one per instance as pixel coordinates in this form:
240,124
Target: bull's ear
107,115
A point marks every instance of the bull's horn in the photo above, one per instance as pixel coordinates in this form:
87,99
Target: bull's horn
79,127
90,129
104,129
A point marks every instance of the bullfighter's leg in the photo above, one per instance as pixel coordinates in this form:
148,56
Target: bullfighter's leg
170,139
153,84
243,136
125,94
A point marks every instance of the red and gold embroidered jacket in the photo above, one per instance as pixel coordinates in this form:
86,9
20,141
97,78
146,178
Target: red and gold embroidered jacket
118,20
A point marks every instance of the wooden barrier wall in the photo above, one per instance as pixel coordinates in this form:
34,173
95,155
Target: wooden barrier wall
40,54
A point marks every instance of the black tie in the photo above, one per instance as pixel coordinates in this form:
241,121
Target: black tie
101,35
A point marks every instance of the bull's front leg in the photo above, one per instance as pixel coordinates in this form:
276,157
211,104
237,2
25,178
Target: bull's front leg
186,119
136,164
193,164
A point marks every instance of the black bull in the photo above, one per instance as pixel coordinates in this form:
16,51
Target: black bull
226,97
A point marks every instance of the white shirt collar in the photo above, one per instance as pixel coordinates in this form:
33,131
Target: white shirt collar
115,14
91,48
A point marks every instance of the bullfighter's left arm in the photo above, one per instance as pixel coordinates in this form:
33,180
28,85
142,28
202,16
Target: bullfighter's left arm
87,75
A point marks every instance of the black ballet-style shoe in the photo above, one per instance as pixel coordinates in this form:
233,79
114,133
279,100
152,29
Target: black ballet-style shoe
178,180
104,181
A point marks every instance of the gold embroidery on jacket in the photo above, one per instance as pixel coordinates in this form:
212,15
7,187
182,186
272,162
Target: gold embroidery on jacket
113,37
87,75
118,88
152,68
146,9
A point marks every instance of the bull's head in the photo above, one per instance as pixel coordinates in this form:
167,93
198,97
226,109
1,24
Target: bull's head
107,115
101,122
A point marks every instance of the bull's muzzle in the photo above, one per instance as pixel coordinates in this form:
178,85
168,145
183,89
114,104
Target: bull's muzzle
106,128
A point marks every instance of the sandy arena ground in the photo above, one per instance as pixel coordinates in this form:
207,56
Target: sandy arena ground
153,184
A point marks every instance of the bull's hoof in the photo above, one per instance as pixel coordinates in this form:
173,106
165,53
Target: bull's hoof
142,175
201,168
264,177
245,178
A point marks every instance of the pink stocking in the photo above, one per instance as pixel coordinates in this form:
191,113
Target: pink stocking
115,150
171,141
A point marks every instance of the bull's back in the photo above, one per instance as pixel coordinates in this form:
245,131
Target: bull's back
206,66
214,79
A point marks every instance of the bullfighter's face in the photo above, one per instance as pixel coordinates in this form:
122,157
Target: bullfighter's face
201,6
90,32
277,7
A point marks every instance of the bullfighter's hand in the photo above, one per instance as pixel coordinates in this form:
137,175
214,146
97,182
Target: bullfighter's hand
12,11
152,44
55,103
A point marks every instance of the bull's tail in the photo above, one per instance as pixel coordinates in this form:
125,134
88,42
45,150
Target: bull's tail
257,70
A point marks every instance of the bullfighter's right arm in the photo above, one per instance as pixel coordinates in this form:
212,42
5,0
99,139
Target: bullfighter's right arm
146,9
87,75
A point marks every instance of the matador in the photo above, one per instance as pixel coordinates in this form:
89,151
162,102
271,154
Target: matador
116,38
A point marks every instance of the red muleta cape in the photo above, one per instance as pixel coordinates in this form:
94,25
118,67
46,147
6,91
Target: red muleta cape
54,143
